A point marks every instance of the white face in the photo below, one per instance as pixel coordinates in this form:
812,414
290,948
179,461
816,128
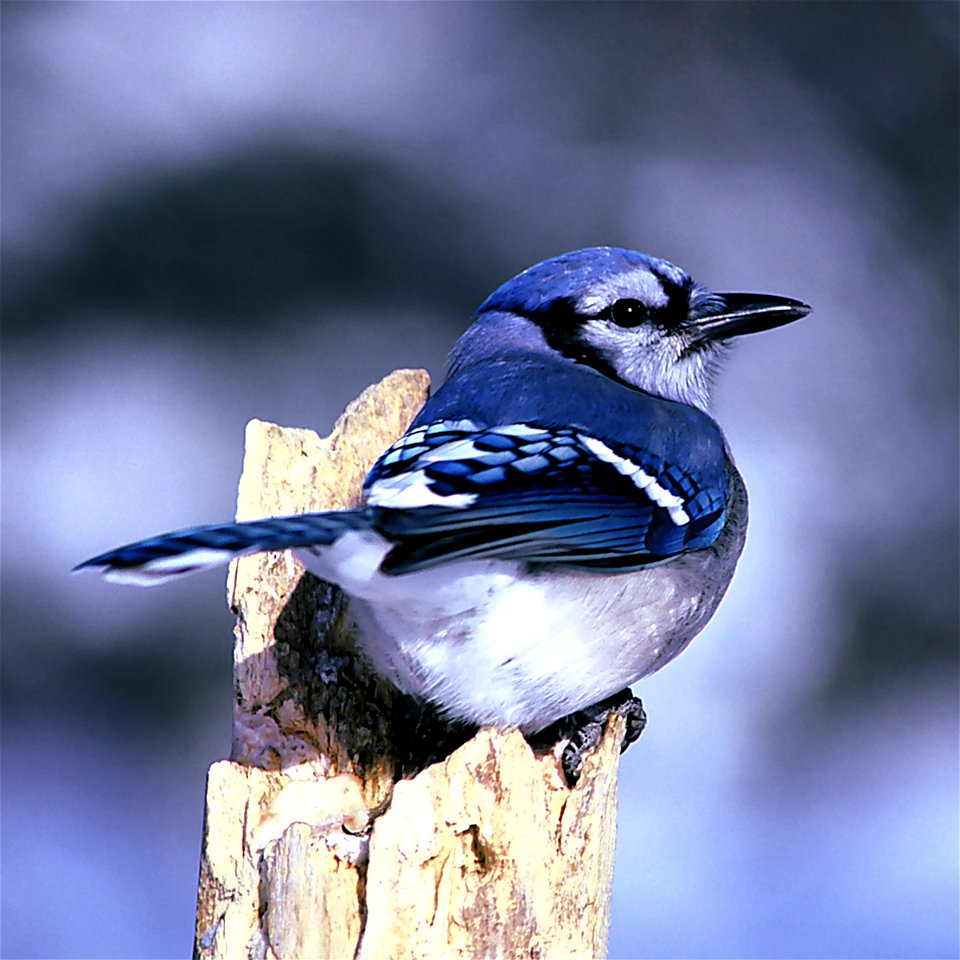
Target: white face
653,361
655,354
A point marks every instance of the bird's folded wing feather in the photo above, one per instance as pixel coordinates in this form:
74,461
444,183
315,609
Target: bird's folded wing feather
451,490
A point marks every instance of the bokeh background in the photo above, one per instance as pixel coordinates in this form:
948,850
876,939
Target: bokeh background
213,212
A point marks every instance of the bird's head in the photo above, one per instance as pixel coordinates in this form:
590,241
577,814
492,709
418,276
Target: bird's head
631,317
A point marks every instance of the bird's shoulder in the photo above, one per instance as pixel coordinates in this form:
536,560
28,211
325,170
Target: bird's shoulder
556,394
538,428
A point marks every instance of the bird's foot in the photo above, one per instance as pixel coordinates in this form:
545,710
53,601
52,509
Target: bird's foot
573,737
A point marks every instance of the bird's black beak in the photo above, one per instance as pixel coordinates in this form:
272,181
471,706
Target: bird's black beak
742,313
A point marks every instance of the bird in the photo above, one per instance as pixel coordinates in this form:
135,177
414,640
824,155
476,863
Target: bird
562,516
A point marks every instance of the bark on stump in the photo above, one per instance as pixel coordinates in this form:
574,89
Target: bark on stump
486,854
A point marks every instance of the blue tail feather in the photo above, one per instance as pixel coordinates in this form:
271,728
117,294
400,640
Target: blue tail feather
159,558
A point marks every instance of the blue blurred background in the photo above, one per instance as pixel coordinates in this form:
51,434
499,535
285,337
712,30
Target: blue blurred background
213,212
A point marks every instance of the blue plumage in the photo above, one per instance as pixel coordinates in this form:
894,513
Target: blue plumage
562,516
572,274
552,483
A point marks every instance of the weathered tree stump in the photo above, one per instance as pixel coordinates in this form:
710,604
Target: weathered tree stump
312,847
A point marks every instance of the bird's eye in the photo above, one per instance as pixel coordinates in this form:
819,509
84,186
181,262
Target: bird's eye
628,313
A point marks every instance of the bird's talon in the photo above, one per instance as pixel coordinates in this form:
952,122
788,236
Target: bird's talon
580,733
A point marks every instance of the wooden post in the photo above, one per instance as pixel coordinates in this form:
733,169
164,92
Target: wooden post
485,854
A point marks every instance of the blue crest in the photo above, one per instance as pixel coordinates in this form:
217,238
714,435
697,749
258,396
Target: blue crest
569,274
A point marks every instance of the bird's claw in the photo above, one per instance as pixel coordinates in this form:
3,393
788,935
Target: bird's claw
577,735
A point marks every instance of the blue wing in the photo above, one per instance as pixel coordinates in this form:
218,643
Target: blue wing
451,490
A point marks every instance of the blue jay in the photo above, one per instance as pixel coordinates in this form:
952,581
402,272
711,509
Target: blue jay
562,517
